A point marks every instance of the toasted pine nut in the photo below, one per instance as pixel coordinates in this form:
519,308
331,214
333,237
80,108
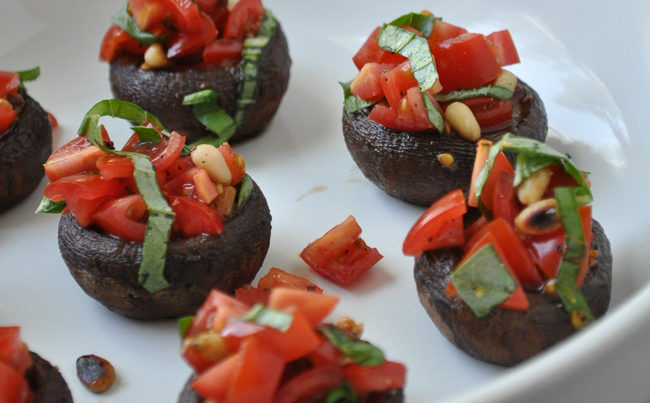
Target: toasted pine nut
154,57
427,12
461,119
532,188
207,156
208,345
349,324
507,80
539,218
446,159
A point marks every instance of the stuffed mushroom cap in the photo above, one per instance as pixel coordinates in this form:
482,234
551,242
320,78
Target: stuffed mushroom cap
46,383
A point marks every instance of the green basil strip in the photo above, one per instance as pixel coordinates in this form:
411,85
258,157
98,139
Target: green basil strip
532,156
250,65
361,352
421,22
49,206
342,394
161,215
575,253
434,115
200,97
147,134
269,317
184,323
124,20
29,74
351,102
245,189
494,91
483,281
211,115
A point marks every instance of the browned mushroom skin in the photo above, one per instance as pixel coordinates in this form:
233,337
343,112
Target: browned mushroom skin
506,337
46,382
161,91
107,268
188,395
24,148
404,163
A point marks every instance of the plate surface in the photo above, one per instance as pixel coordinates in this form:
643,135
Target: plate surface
592,77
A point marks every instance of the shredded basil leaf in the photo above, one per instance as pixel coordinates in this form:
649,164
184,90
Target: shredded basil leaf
211,115
341,394
184,323
29,74
161,215
245,189
361,352
351,102
435,117
494,91
269,317
49,206
249,65
147,134
421,22
574,254
483,281
124,20
200,97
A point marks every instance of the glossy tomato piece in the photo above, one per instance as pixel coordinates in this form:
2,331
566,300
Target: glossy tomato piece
277,278
183,184
465,61
7,115
194,217
547,251
76,156
503,47
308,384
13,351
389,375
214,382
396,82
215,311
114,166
340,255
490,112
482,153
184,14
149,15
117,40
504,204
313,306
179,166
367,84
13,387
371,52
251,295
162,153
443,30
9,83
223,49
244,20
123,217
411,115
186,43
297,341
206,190
501,164
440,226
235,163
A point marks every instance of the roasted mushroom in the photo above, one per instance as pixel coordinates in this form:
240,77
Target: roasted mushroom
46,382
24,147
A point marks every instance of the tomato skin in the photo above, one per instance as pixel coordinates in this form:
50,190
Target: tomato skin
123,217
443,30
114,166
482,152
13,351
277,278
503,47
389,375
117,40
500,165
489,112
367,84
313,382
78,155
13,387
503,200
315,307
194,217
251,295
244,19
222,49
186,43
215,381
9,83
396,82
430,230
235,163
7,115
465,61
162,153
371,52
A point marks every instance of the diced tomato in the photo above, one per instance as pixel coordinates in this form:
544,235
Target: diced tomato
482,152
340,255
490,112
53,122
309,384
7,115
503,47
235,163
194,217
185,43
277,278
149,15
183,184
389,375
383,114
503,200
185,15
547,251
222,49
206,190
13,387
215,311
245,19
117,40
313,306
465,61
162,153
114,166
251,295
440,226
9,83
500,165
396,82
371,52
13,351
78,155
258,375
297,341
559,178
367,84
411,114
123,217
443,30
179,166
214,383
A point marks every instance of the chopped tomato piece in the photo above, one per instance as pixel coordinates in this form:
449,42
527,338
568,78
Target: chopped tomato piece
215,382
245,19
395,83
235,163
179,166
500,165
440,226
206,190
299,340
258,375
13,387
117,40
465,61
13,351
503,47
312,382
482,152
185,43
162,153
114,166
9,83
340,255
489,112
185,15
443,30
389,375
123,217
194,217
367,84
277,278
251,295
371,52
547,251
222,49
78,155
149,15
315,307
7,115
503,201
53,122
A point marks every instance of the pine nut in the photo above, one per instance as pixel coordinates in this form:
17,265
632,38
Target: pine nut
539,218
532,188
207,156
461,119
446,159
506,80
154,57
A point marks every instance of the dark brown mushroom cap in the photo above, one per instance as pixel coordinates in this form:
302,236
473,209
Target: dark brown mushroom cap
404,163
188,395
46,382
24,148
507,337
161,91
107,268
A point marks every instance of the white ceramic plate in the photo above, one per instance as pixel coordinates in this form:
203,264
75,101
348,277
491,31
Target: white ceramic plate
588,60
